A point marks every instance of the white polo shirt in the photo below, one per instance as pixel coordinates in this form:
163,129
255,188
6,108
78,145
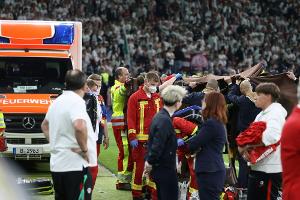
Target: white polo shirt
61,114
274,116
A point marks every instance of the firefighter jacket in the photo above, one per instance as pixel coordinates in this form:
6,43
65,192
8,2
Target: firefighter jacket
140,111
184,128
118,96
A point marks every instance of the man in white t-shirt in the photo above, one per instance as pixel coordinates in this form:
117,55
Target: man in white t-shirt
68,128
265,178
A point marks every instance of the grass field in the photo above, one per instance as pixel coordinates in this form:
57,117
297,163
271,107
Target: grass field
108,157
105,184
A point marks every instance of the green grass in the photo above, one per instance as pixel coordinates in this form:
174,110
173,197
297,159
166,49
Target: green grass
108,157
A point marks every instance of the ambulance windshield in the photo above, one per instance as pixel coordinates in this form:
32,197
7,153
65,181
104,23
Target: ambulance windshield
33,75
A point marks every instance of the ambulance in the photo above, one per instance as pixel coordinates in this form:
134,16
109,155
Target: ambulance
34,58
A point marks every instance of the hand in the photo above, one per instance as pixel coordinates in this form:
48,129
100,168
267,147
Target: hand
128,83
291,75
178,167
178,76
227,80
180,142
192,84
147,169
106,142
134,143
83,154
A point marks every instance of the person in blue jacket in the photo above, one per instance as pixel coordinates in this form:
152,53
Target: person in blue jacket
162,144
208,146
247,111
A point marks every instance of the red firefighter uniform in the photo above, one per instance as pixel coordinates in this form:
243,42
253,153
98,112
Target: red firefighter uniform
185,129
118,96
140,111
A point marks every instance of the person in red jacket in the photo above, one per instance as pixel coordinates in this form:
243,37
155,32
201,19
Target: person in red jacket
290,156
142,106
185,129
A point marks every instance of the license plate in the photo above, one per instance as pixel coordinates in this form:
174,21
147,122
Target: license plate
29,150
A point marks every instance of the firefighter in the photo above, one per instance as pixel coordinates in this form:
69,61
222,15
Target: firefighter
185,129
142,106
118,96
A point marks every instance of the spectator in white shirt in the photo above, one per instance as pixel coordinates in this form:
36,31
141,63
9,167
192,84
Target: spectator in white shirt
265,177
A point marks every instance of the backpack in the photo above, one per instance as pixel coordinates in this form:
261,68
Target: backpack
191,113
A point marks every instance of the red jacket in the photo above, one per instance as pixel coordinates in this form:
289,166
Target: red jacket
290,156
140,111
184,129
253,135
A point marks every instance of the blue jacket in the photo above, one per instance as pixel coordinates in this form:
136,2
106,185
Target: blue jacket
194,98
247,109
211,139
162,143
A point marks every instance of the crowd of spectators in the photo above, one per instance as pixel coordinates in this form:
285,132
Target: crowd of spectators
166,34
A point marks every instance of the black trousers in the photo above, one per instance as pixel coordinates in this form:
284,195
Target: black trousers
67,184
166,183
262,186
243,172
210,184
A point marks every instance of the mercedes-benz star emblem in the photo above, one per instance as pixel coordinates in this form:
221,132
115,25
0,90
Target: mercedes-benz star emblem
28,122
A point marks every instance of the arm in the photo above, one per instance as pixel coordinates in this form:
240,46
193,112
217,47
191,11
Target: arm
81,134
205,134
272,133
104,123
106,138
166,83
45,128
131,117
233,94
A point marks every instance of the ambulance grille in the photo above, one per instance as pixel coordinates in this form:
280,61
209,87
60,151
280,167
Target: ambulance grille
23,123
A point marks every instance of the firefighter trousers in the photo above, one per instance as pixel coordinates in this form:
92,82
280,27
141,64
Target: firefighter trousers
138,182
124,158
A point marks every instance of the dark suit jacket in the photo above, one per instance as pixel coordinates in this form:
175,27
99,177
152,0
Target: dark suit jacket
162,143
247,109
194,98
211,139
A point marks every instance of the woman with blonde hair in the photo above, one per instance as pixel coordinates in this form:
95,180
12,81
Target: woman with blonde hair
209,144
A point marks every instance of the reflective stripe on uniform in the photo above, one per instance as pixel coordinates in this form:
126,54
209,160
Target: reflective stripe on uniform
150,183
177,131
117,123
142,115
131,131
125,150
133,185
193,191
195,130
142,137
157,103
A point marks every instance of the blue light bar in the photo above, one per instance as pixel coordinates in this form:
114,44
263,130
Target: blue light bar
64,34
4,40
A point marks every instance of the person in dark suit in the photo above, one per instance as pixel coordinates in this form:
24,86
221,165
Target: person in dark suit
208,146
247,111
161,156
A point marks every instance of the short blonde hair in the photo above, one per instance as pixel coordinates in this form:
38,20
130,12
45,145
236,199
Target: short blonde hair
95,77
172,94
